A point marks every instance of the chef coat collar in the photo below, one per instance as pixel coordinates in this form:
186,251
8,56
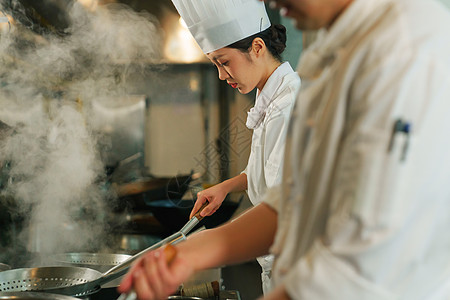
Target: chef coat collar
323,51
266,95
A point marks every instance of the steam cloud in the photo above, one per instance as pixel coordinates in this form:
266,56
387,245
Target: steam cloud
47,86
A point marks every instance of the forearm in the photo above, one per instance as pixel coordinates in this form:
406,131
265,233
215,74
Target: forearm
235,184
246,237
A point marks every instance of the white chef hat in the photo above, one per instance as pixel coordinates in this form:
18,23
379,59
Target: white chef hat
219,23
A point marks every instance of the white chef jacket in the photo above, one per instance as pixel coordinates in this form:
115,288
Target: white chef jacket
356,220
264,167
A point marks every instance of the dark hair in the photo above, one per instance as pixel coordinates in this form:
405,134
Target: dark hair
274,37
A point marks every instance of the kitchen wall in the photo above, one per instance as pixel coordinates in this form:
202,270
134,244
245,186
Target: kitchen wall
181,116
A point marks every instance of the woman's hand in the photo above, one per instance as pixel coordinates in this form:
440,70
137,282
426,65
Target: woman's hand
152,277
214,195
250,235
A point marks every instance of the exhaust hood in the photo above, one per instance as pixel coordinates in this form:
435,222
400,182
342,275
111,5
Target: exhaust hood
178,46
53,17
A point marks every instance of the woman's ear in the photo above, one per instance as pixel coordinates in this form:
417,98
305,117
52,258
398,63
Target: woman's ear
258,46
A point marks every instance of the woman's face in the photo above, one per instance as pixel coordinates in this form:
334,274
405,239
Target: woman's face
239,69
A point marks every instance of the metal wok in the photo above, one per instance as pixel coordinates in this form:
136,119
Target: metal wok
172,214
72,281
77,281
135,194
101,262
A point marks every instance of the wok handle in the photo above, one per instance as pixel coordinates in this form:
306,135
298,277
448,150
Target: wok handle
197,214
122,268
194,220
170,251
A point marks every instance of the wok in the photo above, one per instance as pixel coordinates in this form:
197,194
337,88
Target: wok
97,261
78,281
72,281
101,262
136,194
172,214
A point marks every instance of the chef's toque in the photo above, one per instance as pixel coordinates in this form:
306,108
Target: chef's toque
219,23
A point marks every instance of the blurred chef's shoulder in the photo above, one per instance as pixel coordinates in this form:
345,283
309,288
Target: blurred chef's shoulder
111,120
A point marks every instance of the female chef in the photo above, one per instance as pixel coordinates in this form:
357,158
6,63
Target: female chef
248,58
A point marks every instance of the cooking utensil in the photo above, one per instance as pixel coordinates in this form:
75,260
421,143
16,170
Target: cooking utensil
73,281
76,281
101,262
172,214
97,261
186,228
33,296
194,220
134,194
164,185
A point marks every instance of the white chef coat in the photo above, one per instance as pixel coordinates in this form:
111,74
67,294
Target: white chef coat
264,168
265,164
355,220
